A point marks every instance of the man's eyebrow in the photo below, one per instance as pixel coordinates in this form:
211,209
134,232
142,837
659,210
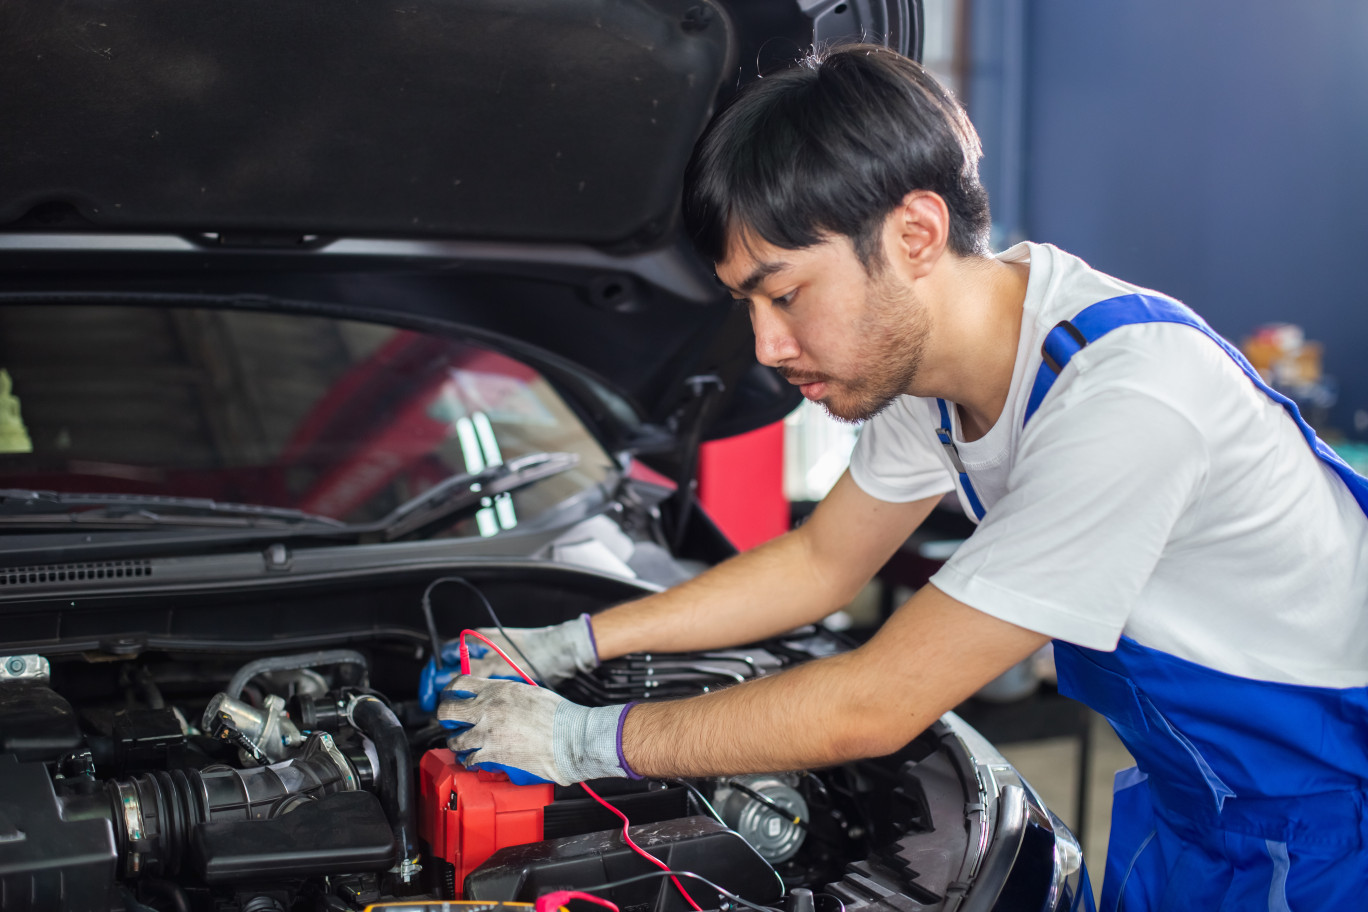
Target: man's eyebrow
759,274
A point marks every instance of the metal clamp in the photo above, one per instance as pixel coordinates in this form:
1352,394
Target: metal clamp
24,668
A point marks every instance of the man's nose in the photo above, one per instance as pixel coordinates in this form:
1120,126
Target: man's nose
774,344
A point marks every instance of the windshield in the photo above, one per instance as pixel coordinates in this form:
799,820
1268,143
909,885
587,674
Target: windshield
337,418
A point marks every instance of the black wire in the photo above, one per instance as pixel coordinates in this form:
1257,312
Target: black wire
821,786
434,639
690,874
781,811
706,804
432,624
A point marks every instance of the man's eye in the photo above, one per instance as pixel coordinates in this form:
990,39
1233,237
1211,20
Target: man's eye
783,300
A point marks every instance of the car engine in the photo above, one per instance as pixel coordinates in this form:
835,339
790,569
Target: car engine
188,780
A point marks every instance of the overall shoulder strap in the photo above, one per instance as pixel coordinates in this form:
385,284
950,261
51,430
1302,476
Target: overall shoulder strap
947,439
1092,323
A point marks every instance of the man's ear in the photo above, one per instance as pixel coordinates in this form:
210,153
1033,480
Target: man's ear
917,232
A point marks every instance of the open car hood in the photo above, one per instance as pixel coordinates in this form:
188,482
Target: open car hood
510,168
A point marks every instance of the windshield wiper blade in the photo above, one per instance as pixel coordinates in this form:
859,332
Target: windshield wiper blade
461,492
23,507
54,510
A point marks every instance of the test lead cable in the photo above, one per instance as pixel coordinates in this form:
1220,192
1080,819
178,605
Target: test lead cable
436,640
626,836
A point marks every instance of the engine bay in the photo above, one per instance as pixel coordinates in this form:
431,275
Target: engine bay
178,776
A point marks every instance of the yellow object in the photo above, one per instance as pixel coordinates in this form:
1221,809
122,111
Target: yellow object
14,436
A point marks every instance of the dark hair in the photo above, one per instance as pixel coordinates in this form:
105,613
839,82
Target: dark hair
831,146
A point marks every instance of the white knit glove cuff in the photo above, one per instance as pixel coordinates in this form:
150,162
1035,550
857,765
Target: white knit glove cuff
586,743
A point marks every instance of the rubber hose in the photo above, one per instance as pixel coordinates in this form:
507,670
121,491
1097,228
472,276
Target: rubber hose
170,891
292,663
394,778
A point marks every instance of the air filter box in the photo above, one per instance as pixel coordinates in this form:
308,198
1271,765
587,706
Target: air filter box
51,858
35,722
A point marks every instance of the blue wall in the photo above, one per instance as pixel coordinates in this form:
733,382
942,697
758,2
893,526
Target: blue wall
1217,151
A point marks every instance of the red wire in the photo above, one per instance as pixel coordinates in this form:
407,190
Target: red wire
465,670
642,852
559,898
465,654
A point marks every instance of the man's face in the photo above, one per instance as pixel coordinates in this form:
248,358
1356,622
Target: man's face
850,341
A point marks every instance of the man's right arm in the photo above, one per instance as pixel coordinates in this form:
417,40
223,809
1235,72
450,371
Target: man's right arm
796,579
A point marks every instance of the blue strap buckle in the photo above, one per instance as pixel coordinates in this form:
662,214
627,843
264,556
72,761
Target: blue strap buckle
1059,347
949,444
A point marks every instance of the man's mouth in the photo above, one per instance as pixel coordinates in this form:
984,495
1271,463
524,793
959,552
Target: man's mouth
812,386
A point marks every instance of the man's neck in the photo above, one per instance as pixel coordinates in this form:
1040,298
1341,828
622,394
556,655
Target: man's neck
978,329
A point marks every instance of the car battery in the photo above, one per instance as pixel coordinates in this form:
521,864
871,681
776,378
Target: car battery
466,815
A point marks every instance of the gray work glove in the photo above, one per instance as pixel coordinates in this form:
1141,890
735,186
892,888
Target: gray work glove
556,652
531,733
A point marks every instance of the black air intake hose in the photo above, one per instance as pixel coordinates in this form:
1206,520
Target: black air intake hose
155,813
394,778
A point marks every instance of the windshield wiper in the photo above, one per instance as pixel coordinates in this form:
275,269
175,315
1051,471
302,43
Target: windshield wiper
469,489
54,508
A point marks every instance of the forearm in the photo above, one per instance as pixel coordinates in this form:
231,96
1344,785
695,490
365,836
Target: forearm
786,721
754,595
931,655
795,579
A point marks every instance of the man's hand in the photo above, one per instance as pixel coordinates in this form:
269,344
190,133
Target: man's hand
531,733
549,655
556,653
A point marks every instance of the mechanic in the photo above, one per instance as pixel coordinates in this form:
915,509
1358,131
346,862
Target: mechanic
1195,554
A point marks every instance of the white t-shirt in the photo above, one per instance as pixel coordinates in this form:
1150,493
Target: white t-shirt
1156,493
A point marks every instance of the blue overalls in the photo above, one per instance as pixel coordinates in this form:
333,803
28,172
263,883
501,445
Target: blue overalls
1246,794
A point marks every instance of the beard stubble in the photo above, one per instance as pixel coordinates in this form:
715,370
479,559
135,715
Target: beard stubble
893,331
